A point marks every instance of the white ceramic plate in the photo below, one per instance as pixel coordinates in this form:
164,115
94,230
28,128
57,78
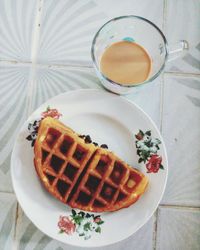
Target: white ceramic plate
109,119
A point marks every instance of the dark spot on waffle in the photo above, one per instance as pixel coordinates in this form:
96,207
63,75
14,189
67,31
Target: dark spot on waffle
79,154
98,204
103,164
108,192
92,183
52,136
50,178
44,155
104,146
70,171
56,163
117,173
95,144
88,139
62,187
83,198
65,145
121,197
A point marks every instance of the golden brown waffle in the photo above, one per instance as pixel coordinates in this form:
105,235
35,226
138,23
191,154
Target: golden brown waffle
82,175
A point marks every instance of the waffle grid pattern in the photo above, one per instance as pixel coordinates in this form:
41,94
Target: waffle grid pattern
81,174
63,159
104,183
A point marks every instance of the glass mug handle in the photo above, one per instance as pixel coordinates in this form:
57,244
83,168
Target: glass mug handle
176,50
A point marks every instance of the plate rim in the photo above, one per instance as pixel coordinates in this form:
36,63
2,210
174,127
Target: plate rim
129,102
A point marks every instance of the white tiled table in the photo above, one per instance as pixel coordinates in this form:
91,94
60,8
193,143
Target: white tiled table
44,50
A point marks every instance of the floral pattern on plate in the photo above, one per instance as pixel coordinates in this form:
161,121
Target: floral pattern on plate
84,224
147,150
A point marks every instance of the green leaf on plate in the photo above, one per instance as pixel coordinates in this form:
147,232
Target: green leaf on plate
81,213
87,226
161,166
73,212
140,160
148,133
98,230
29,138
100,222
88,215
141,132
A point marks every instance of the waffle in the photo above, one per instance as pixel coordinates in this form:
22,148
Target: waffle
83,175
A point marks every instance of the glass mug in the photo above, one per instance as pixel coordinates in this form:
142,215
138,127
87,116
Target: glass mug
143,32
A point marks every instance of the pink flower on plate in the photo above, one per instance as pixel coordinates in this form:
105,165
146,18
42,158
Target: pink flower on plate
66,225
97,220
154,164
52,113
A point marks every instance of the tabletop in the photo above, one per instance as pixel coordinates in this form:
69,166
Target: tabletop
45,50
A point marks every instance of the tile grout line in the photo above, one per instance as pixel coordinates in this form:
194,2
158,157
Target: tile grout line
162,81
15,226
43,65
155,225
161,103
36,32
14,62
34,50
184,74
179,207
7,192
164,15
